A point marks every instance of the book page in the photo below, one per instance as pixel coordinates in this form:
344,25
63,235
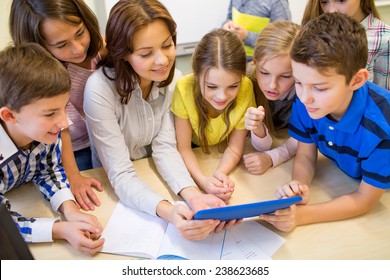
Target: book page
133,233
250,241
175,245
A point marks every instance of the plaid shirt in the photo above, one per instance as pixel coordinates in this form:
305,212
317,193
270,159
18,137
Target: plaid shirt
41,165
378,64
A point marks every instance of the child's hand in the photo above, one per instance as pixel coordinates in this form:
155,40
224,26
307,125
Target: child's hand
73,214
239,30
294,188
81,187
190,229
257,163
283,219
227,183
218,187
206,201
227,224
228,25
79,235
254,119
224,178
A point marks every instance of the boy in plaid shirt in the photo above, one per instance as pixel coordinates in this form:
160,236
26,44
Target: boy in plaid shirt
34,92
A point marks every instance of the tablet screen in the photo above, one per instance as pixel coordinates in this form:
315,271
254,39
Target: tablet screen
246,210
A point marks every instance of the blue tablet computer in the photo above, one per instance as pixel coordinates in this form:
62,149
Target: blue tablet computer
246,210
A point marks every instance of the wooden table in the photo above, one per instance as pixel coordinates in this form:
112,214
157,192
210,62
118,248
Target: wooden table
366,237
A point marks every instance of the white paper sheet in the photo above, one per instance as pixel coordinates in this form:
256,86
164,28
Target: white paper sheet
134,233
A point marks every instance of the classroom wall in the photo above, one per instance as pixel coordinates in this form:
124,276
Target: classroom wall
384,12
102,7
190,16
4,33
297,8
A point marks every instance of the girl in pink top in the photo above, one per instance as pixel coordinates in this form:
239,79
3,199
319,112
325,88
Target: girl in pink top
69,30
275,91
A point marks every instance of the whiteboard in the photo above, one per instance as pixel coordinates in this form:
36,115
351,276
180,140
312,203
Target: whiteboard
194,18
297,8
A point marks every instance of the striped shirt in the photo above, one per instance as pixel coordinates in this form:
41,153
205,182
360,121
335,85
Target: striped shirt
360,142
378,37
39,164
78,128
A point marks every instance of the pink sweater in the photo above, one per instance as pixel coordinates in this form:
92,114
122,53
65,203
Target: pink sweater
78,127
279,154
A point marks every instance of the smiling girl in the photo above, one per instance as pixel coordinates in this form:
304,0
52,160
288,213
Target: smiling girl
209,107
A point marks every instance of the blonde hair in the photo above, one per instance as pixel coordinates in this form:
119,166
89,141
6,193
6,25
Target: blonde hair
276,39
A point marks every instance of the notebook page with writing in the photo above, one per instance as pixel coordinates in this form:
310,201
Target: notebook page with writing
250,241
133,233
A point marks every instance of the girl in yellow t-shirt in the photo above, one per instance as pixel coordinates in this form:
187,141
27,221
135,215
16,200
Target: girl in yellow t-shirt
209,107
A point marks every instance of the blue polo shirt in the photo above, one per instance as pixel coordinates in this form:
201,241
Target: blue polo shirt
360,142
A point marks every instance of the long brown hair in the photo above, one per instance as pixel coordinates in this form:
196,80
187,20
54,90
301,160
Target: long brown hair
217,49
126,18
27,16
313,9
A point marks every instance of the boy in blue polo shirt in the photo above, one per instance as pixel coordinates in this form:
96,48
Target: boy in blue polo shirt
34,92
340,113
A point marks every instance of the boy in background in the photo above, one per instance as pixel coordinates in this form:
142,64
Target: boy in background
339,113
34,92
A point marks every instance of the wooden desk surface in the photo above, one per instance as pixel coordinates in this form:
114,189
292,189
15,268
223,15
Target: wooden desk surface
365,237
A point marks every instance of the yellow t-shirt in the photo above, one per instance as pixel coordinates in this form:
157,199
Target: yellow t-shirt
184,106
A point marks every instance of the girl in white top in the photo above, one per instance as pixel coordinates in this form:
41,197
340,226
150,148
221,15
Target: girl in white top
127,105
275,91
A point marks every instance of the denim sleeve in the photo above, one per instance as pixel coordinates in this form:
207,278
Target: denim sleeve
280,11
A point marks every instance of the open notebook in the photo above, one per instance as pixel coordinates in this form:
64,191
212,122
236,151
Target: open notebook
138,234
